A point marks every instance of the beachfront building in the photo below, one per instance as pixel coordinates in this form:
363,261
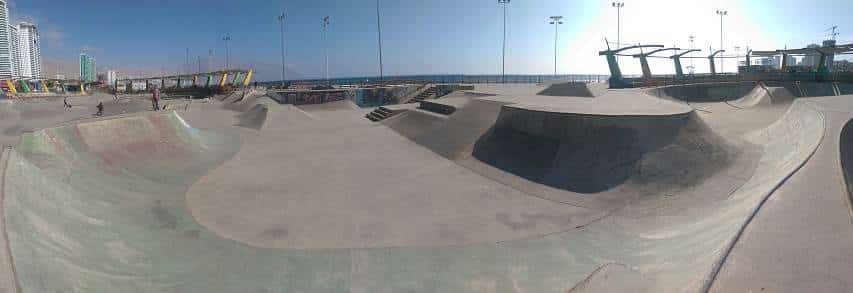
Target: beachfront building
29,52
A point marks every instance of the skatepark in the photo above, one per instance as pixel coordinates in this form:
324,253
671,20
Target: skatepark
550,187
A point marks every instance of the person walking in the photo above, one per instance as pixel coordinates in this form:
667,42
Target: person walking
66,104
155,99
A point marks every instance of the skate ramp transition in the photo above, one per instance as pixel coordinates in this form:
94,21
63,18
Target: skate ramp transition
762,95
667,157
846,145
590,153
574,89
254,118
330,106
704,93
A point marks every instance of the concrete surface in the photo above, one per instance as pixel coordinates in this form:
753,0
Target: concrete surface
243,195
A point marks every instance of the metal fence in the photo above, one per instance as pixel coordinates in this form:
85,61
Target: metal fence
454,78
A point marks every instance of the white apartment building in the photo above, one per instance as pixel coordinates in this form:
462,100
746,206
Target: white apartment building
8,68
29,59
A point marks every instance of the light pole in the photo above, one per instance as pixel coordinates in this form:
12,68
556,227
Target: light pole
721,13
326,22
379,29
691,68
618,6
227,38
556,21
503,51
281,19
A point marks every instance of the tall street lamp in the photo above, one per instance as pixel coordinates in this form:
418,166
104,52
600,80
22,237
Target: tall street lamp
281,19
618,5
227,38
556,21
326,22
505,3
379,29
722,13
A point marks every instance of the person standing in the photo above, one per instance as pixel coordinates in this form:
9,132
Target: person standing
155,99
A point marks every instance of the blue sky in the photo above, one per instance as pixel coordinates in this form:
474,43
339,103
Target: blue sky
419,36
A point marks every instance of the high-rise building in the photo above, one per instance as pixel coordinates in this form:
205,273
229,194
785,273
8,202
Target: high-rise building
93,73
7,66
15,45
88,70
111,77
29,61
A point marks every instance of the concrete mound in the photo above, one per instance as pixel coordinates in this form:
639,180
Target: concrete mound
590,154
452,137
254,118
574,89
763,95
242,102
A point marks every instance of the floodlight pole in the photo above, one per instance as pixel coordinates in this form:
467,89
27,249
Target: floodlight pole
503,51
326,21
556,21
227,38
379,29
281,18
618,5
722,13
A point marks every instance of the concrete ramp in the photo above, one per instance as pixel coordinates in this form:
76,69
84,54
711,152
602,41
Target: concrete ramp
344,105
780,95
762,96
115,205
591,154
241,102
846,147
575,89
254,118
451,136
98,207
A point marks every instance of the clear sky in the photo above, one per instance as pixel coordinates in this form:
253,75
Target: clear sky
419,36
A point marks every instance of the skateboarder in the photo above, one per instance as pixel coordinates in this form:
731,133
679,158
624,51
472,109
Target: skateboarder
100,109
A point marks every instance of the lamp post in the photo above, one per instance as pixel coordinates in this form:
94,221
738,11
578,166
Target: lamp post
505,3
379,29
326,22
281,18
691,69
556,21
227,38
721,13
618,5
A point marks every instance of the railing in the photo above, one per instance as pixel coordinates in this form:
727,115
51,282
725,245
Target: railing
664,80
455,78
